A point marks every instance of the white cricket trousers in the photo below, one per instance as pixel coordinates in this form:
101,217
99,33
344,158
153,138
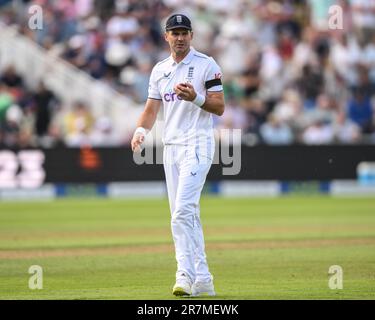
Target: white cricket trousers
186,168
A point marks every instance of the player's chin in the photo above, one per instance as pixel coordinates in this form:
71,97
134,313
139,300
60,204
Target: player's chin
180,48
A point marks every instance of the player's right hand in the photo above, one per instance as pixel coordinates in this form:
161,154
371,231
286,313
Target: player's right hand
185,91
137,141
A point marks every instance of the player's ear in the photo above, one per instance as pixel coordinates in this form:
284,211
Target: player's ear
166,36
191,34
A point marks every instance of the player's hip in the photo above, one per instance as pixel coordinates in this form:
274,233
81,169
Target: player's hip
198,154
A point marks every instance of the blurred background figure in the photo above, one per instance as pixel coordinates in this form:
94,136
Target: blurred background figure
103,133
318,133
360,110
78,125
45,106
276,132
346,131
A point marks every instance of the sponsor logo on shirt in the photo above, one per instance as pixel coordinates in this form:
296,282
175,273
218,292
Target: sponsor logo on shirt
171,97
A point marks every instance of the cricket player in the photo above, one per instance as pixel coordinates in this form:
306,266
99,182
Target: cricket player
188,85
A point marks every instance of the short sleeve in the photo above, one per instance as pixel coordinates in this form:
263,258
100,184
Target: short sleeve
213,77
153,92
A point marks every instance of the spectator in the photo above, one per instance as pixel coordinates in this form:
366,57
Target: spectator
256,114
323,111
304,53
45,104
369,59
344,55
78,125
289,108
12,127
11,78
27,136
74,52
363,19
249,80
271,73
360,110
275,132
364,83
6,100
310,84
123,26
234,116
318,133
345,130
103,134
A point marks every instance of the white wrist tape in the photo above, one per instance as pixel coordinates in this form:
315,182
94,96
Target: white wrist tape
142,131
199,100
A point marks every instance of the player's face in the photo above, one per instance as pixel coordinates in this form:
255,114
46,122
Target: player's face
179,40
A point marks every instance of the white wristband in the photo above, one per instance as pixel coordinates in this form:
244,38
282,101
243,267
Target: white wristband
199,100
141,130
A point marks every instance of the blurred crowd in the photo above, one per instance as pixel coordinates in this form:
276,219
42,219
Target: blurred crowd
294,72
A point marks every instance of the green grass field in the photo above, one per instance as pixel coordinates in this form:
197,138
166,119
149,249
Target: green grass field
122,249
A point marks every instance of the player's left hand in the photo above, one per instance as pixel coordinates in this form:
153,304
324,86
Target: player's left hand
185,91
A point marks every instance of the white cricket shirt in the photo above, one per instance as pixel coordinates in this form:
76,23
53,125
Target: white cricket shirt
185,122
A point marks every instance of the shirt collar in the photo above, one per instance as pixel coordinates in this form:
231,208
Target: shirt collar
188,57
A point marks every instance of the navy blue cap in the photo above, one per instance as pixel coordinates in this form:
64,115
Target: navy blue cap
178,21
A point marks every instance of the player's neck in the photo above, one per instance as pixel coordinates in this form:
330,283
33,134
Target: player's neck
179,57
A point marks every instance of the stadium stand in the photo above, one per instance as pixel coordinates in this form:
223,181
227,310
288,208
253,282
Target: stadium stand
289,77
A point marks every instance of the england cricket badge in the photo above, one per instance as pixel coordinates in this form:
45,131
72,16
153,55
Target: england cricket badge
190,74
